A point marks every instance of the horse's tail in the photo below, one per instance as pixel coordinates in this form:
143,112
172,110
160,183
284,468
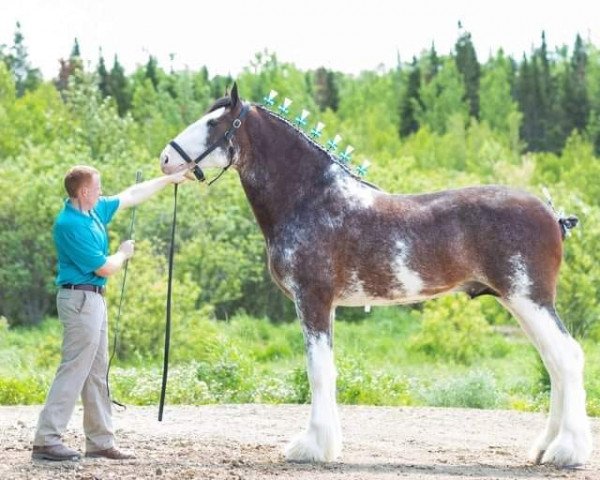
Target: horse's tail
566,223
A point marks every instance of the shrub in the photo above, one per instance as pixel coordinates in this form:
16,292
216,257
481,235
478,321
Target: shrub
22,391
477,389
453,328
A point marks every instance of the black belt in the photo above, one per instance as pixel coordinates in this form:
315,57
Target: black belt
85,286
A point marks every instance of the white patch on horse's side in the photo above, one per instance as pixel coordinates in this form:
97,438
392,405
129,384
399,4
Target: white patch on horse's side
193,141
567,438
411,281
322,440
357,194
355,295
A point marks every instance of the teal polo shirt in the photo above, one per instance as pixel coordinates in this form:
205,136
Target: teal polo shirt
81,241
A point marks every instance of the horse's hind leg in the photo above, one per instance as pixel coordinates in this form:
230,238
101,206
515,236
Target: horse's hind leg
322,440
566,440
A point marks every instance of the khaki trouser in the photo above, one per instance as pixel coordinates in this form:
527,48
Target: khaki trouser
82,370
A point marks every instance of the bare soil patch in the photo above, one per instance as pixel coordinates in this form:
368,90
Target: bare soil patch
246,441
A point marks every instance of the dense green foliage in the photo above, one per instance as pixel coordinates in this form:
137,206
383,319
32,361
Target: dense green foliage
438,122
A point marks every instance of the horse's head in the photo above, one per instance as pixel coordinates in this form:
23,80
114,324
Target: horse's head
208,142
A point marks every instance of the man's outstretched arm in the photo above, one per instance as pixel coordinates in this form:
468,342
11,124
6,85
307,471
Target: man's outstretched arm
140,192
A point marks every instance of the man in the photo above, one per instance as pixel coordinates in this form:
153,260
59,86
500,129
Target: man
84,264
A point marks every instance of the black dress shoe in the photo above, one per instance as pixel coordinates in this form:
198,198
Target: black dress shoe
111,453
57,453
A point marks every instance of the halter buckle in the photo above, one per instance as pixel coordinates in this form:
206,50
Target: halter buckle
198,173
237,123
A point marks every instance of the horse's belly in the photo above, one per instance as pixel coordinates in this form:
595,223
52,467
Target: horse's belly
359,298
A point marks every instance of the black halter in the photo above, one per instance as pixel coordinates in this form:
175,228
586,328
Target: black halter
228,135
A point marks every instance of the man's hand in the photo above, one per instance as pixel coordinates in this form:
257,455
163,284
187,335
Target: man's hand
127,248
180,176
114,263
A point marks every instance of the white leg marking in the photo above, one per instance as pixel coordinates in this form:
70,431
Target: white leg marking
567,439
322,440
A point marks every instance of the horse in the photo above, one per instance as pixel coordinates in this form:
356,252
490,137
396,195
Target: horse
333,239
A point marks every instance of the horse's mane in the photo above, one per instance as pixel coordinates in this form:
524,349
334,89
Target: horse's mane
316,145
225,102
220,103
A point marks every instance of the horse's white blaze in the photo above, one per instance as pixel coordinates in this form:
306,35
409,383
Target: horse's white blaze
566,439
193,141
322,440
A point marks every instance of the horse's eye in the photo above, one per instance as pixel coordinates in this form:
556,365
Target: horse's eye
212,123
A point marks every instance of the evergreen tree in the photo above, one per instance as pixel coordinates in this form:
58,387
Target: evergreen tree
152,71
26,78
552,137
119,87
326,94
433,64
468,66
220,85
538,99
593,88
410,101
575,101
103,77
75,51
69,67
531,130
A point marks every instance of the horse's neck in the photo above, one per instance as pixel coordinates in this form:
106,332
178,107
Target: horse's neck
281,170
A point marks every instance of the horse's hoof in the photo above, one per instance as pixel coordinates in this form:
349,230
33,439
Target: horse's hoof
535,456
306,448
568,451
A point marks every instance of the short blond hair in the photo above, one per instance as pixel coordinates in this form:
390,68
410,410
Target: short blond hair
78,176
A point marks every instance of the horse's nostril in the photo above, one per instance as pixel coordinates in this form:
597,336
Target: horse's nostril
166,160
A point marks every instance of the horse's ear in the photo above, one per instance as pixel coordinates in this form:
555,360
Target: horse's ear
234,96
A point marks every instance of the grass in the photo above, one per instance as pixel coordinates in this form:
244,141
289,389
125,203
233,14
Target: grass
252,360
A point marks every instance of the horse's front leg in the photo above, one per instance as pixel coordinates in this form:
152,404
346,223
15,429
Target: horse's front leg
322,439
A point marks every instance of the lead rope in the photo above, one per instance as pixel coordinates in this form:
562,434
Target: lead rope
163,389
138,179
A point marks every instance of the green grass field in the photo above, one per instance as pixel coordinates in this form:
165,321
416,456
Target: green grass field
394,356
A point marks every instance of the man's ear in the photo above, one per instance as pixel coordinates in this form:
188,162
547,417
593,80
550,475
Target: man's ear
234,96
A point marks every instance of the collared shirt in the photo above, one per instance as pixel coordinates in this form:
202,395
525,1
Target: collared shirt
81,241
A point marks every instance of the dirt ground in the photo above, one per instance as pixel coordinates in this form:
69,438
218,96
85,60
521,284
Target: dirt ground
245,442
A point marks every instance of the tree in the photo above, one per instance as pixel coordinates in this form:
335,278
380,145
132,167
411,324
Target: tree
26,78
411,101
152,71
103,77
68,68
539,102
119,87
442,97
593,88
468,66
75,51
325,91
431,64
497,106
575,101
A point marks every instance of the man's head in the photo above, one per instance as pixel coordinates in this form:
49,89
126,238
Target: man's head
83,183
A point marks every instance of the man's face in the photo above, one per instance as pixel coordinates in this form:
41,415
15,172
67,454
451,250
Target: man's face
91,192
